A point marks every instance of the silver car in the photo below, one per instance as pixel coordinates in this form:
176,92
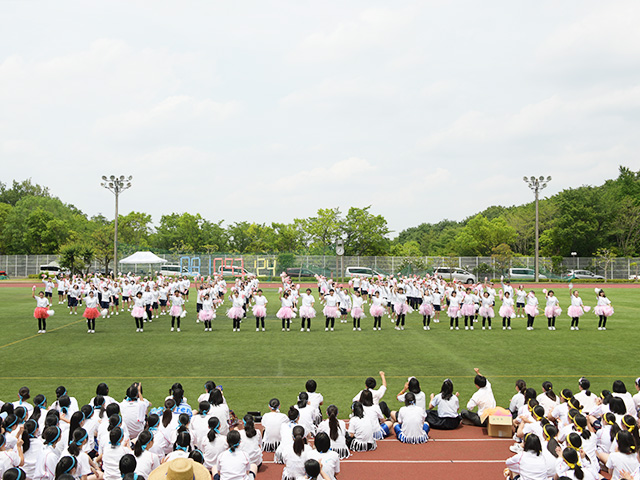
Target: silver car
458,274
584,274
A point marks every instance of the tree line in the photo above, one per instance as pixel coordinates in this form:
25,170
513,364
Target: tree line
584,220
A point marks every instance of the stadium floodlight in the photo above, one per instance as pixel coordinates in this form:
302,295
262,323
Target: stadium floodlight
537,184
116,185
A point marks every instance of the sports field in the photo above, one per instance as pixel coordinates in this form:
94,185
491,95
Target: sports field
254,367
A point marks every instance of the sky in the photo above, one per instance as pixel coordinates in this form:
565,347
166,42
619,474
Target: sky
266,111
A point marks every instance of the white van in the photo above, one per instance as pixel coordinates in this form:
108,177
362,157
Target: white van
361,272
168,270
457,274
524,274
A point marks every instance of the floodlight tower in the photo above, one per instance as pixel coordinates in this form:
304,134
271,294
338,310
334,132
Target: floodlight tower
116,185
536,184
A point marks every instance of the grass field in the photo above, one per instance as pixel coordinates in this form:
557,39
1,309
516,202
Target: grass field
254,367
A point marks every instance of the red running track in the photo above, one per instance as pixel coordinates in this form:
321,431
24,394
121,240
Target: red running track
465,453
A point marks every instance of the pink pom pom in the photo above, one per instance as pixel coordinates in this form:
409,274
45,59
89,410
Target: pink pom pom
587,308
280,290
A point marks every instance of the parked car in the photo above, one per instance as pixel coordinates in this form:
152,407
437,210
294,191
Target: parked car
457,274
361,272
582,274
634,277
53,269
233,271
168,270
524,274
299,272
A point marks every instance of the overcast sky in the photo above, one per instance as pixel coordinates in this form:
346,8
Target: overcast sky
268,110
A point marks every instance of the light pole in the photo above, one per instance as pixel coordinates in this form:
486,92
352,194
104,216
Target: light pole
116,185
536,184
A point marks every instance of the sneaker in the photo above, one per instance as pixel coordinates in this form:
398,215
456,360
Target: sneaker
466,328
75,313
282,329
172,329
308,329
354,329
374,329
262,329
515,448
457,328
504,328
508,328
302,329
332,329
92,331
70,313
288,330
428,328
157,316
326,329
483,328
397,328
401,328
577,328
603,328
572,328
471,327
424,327
450,328
88,331
359,329
178,330
489,327
257,329
117,313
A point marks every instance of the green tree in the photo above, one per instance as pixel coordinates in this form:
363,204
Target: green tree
134,229
323,230
290,237
502,256
102,243
77,257
19,190
365,233
480,235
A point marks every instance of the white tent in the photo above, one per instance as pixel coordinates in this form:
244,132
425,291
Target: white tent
143,257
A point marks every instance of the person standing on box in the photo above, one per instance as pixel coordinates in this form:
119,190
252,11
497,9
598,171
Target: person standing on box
483,399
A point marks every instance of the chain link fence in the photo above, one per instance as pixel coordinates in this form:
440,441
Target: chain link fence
272,265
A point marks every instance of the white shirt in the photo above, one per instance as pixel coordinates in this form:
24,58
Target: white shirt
252,446
421,399
146,463
361,429
330,462
529,465
618,461
233,465
133,415
111,461
411,419
271,423
446,408
483,399
377,395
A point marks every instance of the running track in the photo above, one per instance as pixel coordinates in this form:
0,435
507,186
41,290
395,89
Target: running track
465,453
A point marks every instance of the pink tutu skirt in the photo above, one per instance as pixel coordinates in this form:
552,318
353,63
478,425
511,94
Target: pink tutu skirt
453,312
175,311
486,312
426,309
551,312
233,313
138,312
357,313
574,311
40,312
468,309
91,313
259,311
285,313
531,310
331,312
606,310
307,312
206,315
376,310
402,308
507,312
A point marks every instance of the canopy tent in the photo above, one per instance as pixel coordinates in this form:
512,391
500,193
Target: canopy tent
143,257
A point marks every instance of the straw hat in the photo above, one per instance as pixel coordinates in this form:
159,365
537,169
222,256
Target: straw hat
180,469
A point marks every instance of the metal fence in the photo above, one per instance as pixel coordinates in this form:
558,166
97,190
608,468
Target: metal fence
273,265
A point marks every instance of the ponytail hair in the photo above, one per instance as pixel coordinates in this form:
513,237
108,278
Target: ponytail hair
548,390
249,426
203,408
114,422
274,404
64,402
293,413
322,442
216,398
571,458
153,421
334,426
78,438
585,385
98,402
40,402
30,428
115,437
521,385
299,440
142,442
51,435
76,419
631,426
65,465
303,399
409,399
214,424
15,473
183,422
233,440
167,415
183,441
358,409
626,443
